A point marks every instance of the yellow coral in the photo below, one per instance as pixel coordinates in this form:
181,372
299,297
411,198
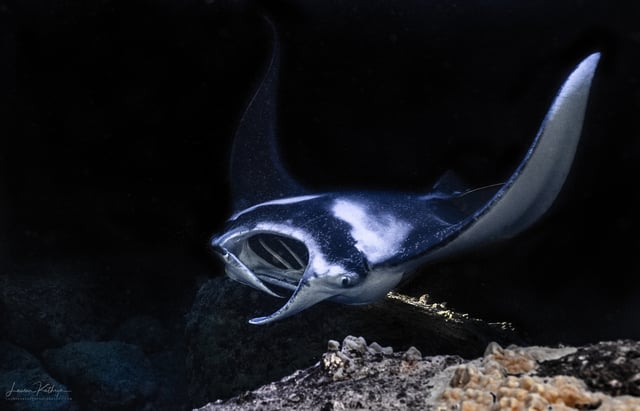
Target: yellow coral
494,387
513,361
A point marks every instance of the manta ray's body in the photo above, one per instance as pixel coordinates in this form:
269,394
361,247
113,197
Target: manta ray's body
355,247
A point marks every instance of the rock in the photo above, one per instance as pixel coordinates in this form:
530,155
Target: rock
375,348
515,378
170,373
521,378
347,379
226,355
26,386
110,375
144,331
44,307
15,358
412,355
333,345
610,367
48,311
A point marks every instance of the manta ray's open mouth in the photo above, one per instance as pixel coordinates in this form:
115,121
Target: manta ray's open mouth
275,259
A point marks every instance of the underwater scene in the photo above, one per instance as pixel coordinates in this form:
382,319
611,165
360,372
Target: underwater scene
267,205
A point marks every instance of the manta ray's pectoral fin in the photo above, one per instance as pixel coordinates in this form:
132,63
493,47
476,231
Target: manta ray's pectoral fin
257,174
535,184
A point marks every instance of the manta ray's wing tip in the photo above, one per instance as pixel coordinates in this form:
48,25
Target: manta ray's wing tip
583,73
593,57
589,64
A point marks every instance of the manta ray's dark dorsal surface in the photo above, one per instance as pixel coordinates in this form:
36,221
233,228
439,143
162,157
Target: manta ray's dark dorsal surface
355,247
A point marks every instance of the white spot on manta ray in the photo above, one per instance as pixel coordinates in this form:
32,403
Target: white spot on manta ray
378,237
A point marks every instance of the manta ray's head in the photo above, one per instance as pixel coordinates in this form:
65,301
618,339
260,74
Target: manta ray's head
298,246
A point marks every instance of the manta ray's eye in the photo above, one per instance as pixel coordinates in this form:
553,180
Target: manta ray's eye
345,281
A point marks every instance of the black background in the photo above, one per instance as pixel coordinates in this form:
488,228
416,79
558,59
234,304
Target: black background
118,118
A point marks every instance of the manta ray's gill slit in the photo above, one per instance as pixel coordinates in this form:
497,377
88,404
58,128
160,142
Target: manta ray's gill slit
274,254
280,252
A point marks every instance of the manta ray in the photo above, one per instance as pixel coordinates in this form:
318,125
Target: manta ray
354,247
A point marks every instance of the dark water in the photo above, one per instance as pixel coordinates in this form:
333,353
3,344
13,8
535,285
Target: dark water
117,120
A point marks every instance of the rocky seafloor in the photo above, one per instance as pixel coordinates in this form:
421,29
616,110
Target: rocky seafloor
68,345
357,376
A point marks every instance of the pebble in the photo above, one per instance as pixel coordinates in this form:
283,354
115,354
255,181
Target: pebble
412,354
